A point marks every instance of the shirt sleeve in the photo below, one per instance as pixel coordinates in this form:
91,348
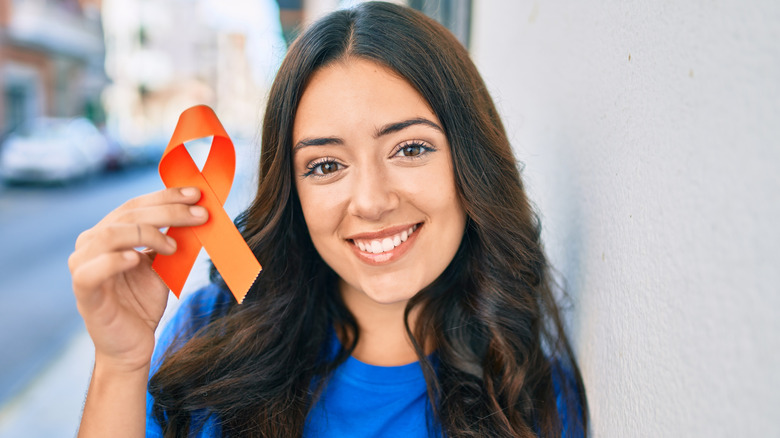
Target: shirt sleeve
192,314
567,401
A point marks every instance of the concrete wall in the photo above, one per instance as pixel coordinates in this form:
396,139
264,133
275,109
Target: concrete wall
650,132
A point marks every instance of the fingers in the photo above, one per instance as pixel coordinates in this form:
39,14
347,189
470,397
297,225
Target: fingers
88,277
183,195
171,215
108,248
165,208
117,238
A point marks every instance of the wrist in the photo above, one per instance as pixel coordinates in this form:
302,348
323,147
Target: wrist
107,367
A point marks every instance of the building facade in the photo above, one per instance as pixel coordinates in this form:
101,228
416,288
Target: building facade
51,61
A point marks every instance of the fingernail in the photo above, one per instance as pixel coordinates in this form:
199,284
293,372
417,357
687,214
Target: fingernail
170,241
129,255
189,191
196,210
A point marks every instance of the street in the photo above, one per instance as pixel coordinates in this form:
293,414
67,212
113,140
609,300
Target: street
38,228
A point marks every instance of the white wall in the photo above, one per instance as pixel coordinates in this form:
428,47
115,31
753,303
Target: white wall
650,131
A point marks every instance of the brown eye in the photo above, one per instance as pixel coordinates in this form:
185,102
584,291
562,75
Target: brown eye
323,167
329,167
411,150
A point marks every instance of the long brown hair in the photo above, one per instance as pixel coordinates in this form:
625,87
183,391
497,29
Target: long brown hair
501,349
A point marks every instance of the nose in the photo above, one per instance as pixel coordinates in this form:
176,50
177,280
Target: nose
373,194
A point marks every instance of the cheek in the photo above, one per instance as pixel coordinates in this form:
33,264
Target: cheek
435,191
322,208
441,203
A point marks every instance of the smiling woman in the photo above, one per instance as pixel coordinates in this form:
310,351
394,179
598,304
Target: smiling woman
393,219
404,290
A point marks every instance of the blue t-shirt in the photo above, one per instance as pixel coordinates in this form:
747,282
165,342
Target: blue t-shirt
363,400
360,400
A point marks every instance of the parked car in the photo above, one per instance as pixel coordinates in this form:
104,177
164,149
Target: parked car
117,156
53,150
145,153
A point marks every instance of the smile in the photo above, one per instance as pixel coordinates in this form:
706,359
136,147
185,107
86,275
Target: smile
384,246
379,246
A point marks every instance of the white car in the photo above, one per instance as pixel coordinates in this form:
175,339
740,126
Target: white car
53,150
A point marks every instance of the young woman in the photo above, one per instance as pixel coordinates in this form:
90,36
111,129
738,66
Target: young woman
404,289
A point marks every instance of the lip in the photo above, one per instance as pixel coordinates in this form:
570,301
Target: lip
381,234
389,256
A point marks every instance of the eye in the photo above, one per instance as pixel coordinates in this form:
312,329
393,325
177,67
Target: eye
323,167
413,149
326,168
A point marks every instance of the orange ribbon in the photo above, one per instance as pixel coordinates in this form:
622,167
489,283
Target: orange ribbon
229,252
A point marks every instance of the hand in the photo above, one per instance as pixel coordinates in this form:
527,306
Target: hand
117,293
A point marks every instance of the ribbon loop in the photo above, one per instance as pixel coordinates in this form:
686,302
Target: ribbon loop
228,250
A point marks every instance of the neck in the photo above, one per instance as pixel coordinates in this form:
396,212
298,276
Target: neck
383,340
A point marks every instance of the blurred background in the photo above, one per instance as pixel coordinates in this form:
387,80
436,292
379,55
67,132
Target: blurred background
647,131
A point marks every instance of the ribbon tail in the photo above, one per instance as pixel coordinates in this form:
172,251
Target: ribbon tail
173,269
228,250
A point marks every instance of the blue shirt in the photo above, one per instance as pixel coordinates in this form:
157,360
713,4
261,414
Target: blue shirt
371,401
360,400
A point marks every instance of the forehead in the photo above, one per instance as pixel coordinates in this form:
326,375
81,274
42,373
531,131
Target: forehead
356,93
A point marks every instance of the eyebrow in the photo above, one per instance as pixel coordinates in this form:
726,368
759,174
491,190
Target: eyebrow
395,127
317,142
390,128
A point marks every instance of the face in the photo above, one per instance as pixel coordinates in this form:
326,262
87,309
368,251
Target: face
374,175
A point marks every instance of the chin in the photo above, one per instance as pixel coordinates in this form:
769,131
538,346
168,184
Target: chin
389,295
390,299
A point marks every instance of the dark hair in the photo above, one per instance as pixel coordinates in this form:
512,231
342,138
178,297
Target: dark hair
491,314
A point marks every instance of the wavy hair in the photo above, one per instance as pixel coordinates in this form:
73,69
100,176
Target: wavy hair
491,314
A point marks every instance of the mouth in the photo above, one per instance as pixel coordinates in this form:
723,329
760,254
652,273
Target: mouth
379,246
383,247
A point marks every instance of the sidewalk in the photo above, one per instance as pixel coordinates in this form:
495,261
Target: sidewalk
51,405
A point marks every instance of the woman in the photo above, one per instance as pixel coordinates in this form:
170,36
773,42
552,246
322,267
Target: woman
404,292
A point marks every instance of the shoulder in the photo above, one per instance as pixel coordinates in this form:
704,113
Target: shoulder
193,313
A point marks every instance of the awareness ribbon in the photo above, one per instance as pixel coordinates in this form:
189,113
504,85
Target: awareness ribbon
228,250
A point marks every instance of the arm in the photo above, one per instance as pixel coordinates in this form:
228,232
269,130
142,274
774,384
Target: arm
122,300
116,402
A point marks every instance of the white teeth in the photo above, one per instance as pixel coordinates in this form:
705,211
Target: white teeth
386,244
